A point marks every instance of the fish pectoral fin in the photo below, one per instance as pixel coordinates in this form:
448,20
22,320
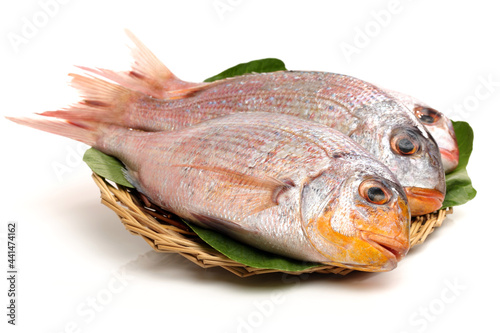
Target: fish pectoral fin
148,74
248,194
219,224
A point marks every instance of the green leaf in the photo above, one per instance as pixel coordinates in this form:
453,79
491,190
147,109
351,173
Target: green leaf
257,66
459,188
248,255
106,166
465,138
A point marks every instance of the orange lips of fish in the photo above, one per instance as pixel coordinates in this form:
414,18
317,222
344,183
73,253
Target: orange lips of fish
423,201
378,245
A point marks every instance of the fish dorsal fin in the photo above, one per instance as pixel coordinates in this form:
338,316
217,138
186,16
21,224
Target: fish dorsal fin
148,74
248,194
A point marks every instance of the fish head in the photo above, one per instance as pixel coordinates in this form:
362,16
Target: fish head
360,222
404,145
441,129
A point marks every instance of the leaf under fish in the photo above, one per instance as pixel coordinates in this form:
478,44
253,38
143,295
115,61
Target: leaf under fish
458,183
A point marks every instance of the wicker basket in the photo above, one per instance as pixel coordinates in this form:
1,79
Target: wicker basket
165,232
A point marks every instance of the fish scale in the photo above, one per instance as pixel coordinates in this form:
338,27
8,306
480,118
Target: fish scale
253,142
270,92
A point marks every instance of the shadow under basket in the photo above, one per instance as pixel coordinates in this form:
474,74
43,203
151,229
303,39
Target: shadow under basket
165,232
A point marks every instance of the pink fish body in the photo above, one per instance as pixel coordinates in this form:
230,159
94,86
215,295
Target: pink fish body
151,98
285,185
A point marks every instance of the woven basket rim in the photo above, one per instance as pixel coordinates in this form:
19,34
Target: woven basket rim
164,232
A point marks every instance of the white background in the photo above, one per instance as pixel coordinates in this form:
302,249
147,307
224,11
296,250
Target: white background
73,251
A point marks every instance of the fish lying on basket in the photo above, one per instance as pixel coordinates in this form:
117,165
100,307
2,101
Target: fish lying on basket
151,98
438,125
282,184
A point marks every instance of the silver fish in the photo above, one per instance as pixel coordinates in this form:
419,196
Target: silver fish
279,183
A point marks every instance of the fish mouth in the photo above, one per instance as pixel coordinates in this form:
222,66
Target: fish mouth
394,250
423,200
449,158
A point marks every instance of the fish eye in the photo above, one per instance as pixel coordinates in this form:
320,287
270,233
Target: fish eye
427,115
405,143
405,146
374,192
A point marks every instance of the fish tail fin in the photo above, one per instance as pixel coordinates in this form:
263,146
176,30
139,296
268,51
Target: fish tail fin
85,132
102,102
148,74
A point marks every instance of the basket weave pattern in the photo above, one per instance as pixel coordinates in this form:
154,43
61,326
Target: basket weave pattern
165,232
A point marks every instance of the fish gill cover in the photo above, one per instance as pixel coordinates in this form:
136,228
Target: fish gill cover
459,188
